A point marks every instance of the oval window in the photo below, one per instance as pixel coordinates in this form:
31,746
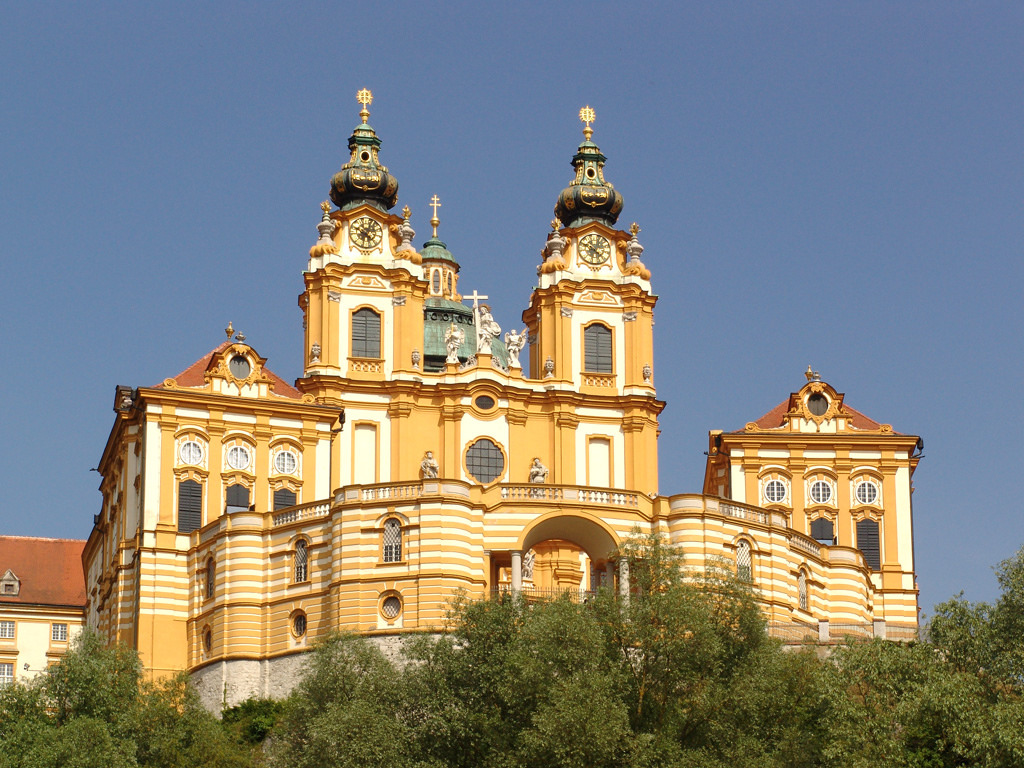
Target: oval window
817,404
190,452
391,607
299,624
238,457
484,402
285,462
867,492
239,367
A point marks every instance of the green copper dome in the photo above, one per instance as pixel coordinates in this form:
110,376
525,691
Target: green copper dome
589,197
435,250
363,179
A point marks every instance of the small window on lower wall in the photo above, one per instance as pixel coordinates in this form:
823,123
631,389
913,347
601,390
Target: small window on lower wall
801,584
868,543
299,624
744,572
6,673
822,531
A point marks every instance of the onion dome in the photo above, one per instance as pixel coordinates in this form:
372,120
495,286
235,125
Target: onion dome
363,179
589,197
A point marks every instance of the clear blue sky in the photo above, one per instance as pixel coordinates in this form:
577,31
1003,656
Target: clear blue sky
824,183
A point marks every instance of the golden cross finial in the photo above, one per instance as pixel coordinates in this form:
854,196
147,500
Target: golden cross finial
325,206
435,203
587,116
364,97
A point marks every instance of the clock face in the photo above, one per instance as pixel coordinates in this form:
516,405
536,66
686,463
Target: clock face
595,249
365,232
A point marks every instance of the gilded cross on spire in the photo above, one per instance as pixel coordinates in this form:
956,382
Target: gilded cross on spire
435,203
587,116
364,97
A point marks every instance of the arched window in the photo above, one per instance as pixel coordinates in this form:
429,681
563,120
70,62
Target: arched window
435,282
597,349
822,530
743,563
211,577
301,561
392,541
190,506
867,543
365,333
238,498
801,586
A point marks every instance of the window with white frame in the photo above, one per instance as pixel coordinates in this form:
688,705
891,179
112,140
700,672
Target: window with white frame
301,570
821,492
775,491
59,633
392,541
285,462
866,492
6,672
7,630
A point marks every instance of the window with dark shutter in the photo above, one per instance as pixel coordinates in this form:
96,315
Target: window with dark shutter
597,349
821,530
867,543
366,334
284,498
238,498
190,506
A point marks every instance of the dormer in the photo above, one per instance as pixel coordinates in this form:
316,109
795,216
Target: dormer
10,584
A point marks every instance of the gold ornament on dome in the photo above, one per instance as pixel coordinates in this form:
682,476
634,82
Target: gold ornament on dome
325,206
587,116
364,97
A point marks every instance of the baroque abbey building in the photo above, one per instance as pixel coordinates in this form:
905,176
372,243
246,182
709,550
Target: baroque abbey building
423,452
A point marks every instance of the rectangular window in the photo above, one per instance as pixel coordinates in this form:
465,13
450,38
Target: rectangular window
599,462
238,498
867,543
597,349
6,672
365,334
190,506
7,630
59,633
284,498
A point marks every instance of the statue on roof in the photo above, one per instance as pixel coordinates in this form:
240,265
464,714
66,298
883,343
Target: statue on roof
453,339
514,343
487,330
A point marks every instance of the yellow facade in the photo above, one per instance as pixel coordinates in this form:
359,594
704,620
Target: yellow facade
421,460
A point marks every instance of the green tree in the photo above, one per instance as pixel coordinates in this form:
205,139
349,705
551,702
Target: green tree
93,709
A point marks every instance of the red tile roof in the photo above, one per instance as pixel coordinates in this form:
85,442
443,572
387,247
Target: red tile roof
775,418
193,375
50,570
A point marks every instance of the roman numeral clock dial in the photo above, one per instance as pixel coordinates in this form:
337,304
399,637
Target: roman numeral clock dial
365,233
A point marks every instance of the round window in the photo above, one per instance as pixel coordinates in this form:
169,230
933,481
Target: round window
484,402
238,457
817,404
285,462
821,492
190,452
391,607
485,461
867,492
239,367
299,624
775,491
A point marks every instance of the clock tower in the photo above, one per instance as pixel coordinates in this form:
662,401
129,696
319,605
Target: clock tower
591,316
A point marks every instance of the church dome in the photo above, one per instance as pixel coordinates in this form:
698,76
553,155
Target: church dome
589,197
363,179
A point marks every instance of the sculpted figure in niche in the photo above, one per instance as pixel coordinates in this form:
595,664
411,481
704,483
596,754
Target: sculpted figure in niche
453,338
538,472
487,331
429,467
515,342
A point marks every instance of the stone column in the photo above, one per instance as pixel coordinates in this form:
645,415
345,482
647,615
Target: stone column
624,580
517,572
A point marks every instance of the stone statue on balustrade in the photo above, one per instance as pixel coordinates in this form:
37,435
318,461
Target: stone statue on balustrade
514,343
538,472
429,467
